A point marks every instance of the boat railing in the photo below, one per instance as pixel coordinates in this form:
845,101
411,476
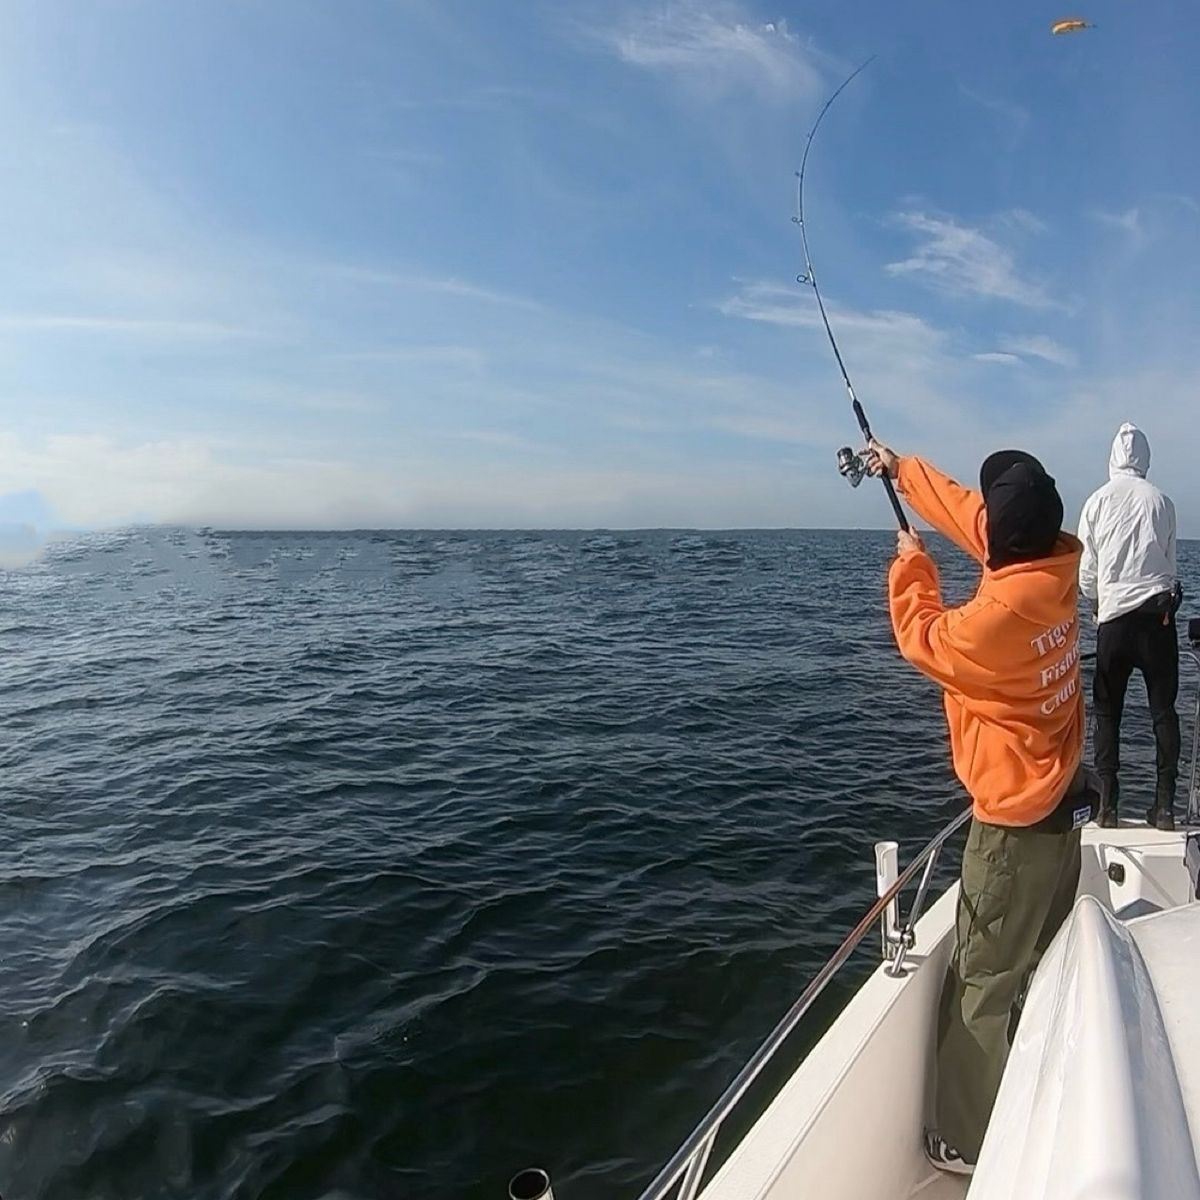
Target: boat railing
684,1174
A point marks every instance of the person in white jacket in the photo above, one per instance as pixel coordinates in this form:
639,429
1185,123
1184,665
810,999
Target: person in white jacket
1128,572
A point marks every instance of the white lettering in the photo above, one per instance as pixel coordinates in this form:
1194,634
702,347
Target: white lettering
1060,668
1060,697
1053,638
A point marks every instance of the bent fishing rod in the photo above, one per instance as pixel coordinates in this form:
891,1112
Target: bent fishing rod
850,464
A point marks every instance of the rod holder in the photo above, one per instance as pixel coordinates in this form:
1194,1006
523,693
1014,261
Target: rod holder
887,871
530,1184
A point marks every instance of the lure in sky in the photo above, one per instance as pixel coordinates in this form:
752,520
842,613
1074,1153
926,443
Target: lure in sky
1070,25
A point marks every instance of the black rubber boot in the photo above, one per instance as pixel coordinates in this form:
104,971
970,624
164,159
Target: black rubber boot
1161,813
1110,794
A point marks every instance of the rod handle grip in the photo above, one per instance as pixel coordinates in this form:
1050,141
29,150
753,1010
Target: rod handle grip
891,491
861,418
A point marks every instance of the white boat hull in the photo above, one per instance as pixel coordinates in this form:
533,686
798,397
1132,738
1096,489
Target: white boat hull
848,1123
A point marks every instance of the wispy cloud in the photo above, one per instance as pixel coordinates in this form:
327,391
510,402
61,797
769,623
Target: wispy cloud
404,165
719,45
135,327
775,305
445,286
774,427
467,99
1040,346
497,438
911,365
1128,222
963,260
1013,117
451,356
1016,350
1188,202
302,398
1022,221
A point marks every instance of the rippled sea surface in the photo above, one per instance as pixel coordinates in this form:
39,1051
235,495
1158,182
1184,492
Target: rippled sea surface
383,865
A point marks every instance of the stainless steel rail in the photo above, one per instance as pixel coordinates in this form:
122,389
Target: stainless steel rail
687,1165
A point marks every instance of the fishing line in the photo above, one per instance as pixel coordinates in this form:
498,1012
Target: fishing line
850,465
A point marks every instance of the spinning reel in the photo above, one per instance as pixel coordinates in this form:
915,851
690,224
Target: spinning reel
851,466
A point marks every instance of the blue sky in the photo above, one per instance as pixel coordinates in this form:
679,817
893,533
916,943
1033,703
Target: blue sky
408,263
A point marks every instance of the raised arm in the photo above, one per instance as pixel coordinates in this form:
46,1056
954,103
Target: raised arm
941,643
953,510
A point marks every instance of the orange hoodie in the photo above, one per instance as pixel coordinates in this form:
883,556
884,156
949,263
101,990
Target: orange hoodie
1008,661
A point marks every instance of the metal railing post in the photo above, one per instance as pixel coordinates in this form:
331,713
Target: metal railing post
695,1169
908,937
887,871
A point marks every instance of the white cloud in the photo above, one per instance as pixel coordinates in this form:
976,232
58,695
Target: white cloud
1040,346
447,356
1188,202
772,427
1016,350
446,286
1013,117
1128,222
299,397
962,260
775,305
129,327
719,45
908,367
1023,221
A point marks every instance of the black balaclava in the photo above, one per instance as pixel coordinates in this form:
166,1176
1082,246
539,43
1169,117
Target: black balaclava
1024,510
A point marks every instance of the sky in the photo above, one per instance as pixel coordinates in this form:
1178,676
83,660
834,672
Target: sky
438,263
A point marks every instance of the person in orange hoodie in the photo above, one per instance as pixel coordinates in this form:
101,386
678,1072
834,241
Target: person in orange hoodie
1007,662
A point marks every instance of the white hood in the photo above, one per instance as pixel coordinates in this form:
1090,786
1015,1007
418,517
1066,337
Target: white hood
1130,453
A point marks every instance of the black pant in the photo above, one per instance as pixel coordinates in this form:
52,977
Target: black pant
1145,640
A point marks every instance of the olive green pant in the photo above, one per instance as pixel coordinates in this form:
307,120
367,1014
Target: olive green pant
1018,886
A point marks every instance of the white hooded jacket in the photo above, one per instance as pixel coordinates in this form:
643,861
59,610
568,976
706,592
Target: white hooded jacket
1128,532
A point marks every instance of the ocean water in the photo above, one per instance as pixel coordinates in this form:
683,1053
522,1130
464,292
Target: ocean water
384,865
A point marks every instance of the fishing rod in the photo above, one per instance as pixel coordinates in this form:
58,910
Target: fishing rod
850,464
